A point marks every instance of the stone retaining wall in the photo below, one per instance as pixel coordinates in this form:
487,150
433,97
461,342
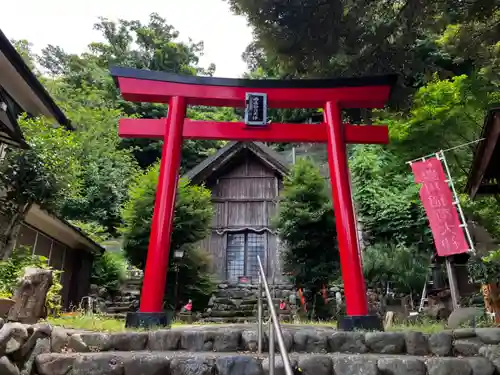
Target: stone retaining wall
460,342
44,350
159,363
236,303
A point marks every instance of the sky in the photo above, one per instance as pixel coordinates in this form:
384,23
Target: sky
69,24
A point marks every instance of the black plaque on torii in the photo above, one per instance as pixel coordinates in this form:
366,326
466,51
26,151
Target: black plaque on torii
256,109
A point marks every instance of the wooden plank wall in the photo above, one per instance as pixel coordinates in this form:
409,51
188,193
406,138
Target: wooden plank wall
244,196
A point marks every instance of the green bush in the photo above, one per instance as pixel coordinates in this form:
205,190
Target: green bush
12,269
485,269
192,218
306,223
404,269
109,270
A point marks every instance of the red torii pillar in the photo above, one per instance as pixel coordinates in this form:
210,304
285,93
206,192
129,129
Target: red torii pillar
181,91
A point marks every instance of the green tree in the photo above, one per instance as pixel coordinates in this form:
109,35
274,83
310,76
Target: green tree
194,279
387,200
402,269
193,214
445,114
472,38
130,43
108,168
24,48
195,151
104,168
305,222
45,173
355,38
109,270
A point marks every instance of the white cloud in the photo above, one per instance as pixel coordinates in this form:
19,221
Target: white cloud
69,24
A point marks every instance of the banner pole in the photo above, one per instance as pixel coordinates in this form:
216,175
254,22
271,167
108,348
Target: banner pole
440,156
450,269
451,200
455,295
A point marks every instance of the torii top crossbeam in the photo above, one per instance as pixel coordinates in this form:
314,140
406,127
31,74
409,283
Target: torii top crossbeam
180,91
158,87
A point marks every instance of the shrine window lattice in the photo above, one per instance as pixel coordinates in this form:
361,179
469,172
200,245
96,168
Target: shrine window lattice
242,251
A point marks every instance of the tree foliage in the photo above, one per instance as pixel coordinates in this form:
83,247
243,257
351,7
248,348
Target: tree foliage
192,216
130,43
387,201
355,38
93,230
445,114
401,268
305,222
108,168
81,175
45,173
446,53
109,270
90,183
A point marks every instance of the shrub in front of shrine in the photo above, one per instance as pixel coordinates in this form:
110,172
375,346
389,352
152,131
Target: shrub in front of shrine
192,218
306,224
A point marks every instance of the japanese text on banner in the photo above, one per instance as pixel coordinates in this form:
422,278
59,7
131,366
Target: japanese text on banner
437,200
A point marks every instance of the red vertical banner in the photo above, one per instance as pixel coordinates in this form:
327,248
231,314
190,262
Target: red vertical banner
437,200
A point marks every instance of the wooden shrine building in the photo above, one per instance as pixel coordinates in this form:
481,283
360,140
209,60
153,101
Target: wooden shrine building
484,175
245,180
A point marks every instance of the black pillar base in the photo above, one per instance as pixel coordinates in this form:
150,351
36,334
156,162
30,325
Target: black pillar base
149,320
362,322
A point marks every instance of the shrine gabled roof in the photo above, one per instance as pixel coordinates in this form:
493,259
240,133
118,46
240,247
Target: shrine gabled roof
21,91
484,174
212,163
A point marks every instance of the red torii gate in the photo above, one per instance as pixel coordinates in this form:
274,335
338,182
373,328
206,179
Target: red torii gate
180,91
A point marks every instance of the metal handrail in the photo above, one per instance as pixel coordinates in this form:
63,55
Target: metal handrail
273,326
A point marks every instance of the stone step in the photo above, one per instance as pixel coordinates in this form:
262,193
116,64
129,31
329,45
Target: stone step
241,319
300,338
130,292
119,303
154,363
207,318
243,302
131,288
228,313
119,309
220,307
132,283
237,320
